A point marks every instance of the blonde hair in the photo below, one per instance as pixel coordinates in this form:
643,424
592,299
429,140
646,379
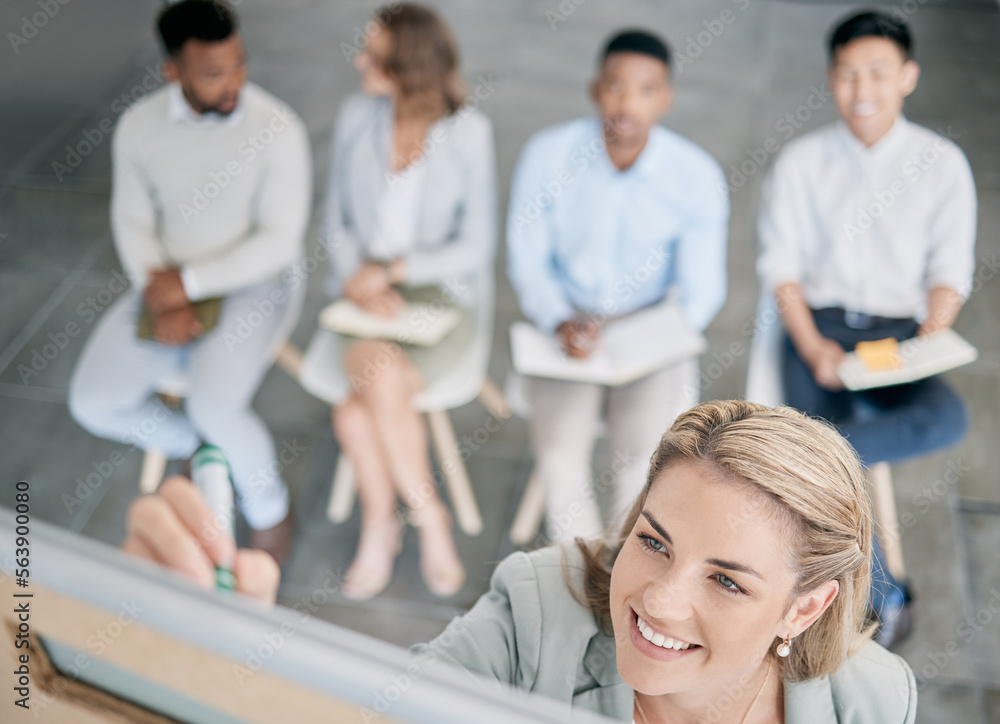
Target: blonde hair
813,477
422,61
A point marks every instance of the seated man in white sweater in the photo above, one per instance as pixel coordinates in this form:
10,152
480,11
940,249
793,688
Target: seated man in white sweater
210,200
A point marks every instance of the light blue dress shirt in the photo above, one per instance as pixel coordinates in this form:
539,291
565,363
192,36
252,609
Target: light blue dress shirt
584,236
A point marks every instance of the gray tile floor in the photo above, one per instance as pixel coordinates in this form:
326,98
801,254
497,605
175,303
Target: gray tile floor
56,255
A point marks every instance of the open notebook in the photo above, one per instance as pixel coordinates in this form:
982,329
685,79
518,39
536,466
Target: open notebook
419,323
920,357
629,348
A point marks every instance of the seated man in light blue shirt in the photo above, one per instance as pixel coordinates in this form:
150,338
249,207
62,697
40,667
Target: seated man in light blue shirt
606,215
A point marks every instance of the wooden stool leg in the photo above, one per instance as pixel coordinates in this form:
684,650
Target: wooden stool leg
290,360
455,474
493,400
342,493
530,511
154,463
884,500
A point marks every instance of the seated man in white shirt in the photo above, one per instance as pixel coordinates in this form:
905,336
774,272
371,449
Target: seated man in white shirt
867,228
606,216
211,191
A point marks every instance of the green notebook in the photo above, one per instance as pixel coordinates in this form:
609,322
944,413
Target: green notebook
207,311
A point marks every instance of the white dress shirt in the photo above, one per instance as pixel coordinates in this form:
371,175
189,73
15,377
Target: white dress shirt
178,109
398,213
869,229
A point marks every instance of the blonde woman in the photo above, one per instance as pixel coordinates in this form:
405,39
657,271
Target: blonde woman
410,213
735,594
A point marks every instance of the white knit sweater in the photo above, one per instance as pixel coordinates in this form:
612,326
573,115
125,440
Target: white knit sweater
226,200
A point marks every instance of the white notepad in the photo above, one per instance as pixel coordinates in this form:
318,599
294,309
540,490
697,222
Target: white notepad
629,348
921,357
419,323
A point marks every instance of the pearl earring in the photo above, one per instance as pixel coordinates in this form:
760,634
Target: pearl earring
784,648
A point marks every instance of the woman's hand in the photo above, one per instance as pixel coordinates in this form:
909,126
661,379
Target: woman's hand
176,528
369,281
389,303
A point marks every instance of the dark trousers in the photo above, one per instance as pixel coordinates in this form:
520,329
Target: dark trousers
886,423
883,424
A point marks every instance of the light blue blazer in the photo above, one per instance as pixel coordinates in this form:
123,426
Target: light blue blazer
457,227
529,631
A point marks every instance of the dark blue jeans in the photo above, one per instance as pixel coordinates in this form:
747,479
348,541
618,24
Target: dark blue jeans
886,423
883,424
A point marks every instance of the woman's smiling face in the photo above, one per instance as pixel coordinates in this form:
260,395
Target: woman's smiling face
707,566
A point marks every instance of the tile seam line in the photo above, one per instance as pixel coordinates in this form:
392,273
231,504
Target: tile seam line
49,305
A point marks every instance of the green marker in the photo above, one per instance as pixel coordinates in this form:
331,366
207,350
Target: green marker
211,475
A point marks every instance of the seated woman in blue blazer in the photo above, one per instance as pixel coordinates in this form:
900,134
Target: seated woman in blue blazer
736,592
410,213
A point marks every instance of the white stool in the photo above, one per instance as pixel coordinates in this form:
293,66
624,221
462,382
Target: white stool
322,375
175,388
764,386
531,509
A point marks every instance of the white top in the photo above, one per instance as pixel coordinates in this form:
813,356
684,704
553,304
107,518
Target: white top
398,212
225,198
870,230
454,239
178,109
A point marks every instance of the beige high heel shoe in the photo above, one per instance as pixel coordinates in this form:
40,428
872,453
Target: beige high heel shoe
439,562
371,569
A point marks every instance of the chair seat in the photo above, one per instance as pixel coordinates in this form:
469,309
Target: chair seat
764,366
323,376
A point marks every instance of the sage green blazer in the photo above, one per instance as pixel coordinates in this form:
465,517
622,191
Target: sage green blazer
529,631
